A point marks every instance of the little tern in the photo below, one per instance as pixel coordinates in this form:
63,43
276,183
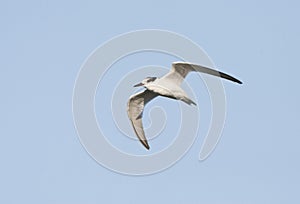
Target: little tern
167,86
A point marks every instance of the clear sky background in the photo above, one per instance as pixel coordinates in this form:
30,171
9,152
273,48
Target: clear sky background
44,43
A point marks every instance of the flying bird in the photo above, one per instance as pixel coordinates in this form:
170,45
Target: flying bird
167,86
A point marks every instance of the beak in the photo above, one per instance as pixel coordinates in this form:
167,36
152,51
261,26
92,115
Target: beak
140,84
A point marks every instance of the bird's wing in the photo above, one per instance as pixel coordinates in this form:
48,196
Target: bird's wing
179,71
135,109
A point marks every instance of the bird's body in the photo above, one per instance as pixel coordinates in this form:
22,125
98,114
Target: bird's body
168,86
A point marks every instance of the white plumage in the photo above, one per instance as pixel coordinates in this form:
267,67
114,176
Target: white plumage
168,86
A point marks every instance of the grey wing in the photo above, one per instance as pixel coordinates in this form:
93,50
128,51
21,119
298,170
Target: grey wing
179,71
135,108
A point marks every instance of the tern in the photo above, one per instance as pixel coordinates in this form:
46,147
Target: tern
167,86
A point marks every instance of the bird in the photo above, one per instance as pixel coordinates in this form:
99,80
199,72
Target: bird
169,86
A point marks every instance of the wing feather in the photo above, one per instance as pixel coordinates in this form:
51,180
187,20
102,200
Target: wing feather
135,110
180,70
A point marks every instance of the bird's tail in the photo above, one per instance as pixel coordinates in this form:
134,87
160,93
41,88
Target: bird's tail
188,101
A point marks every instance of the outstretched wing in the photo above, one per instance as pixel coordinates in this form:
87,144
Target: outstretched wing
179,71
135,108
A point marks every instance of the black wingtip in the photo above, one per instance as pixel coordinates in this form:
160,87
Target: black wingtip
146,145
239,82
232,79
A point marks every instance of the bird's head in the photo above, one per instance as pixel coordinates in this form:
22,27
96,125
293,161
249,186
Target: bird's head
147,80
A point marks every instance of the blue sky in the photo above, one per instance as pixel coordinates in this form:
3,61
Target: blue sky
43,45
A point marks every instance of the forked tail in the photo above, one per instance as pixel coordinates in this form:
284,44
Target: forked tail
188,101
